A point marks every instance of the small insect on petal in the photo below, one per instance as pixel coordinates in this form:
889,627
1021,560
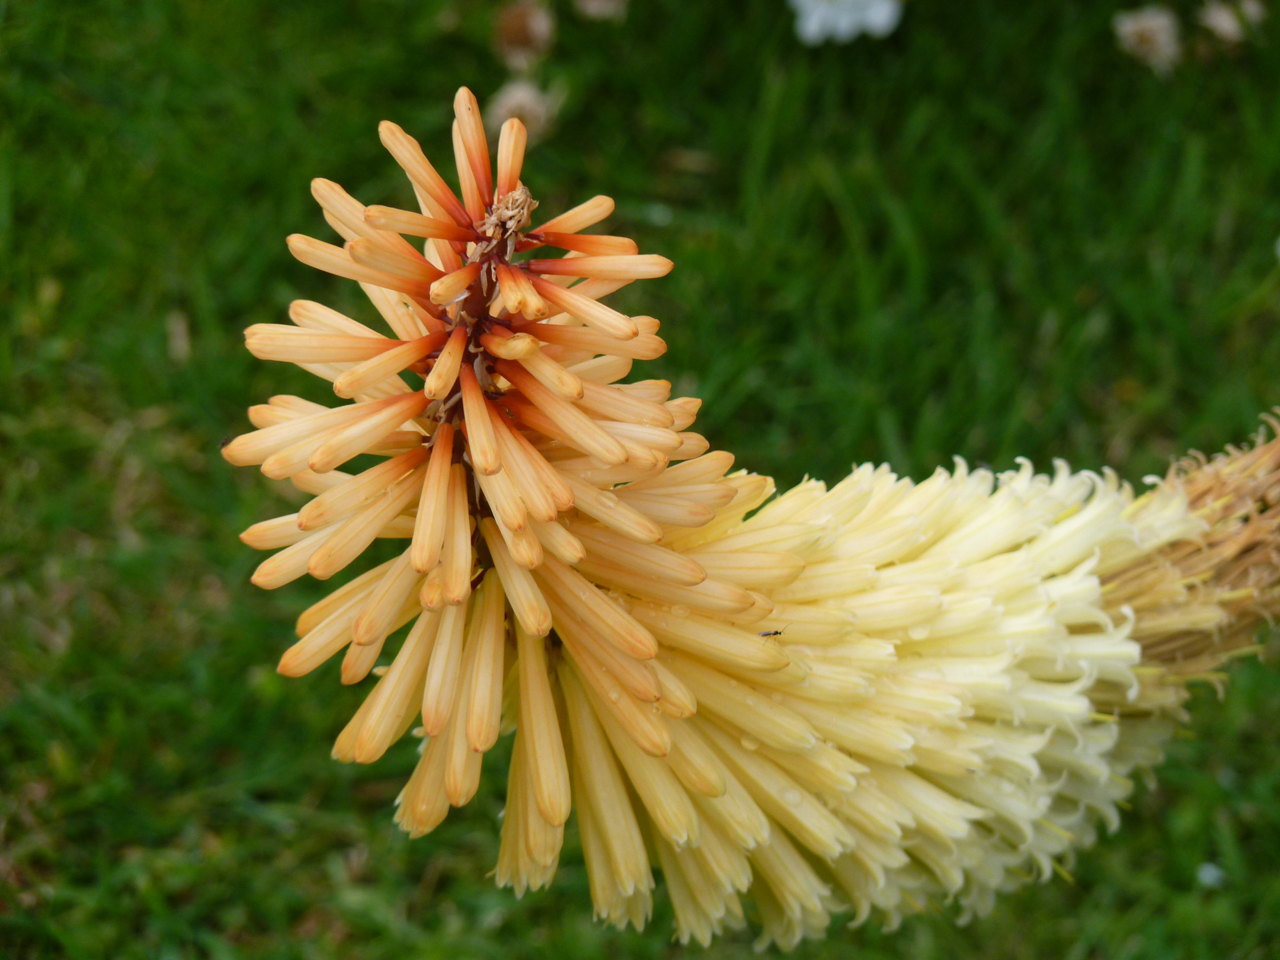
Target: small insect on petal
713,640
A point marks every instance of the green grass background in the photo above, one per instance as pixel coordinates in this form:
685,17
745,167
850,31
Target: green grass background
992,235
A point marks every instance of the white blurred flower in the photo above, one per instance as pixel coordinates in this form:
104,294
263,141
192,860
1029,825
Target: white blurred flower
843,20
1150,34
1210,875
179,339
1221,20
1253,11
524,100
523,32
601,9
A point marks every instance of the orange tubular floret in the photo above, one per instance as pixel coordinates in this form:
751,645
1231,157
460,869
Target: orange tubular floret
451,287
593,314
631,267
474,142
408,153
416,224
534,305
480,439
336,260
590,244
445,372
472,197
371,252
508,346
429,526
373,371
567,418
511,145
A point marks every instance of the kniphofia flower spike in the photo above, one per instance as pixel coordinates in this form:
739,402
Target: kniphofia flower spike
869,698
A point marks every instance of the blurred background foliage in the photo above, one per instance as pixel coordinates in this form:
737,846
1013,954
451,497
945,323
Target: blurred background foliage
991,235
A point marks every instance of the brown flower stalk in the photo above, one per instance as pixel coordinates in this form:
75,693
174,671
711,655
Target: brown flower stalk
1199,599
